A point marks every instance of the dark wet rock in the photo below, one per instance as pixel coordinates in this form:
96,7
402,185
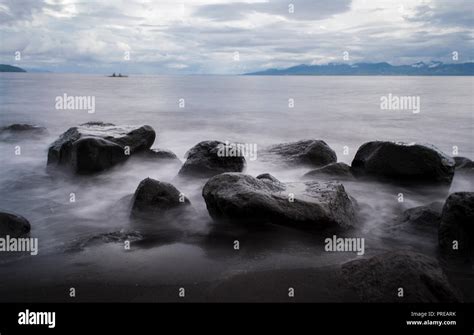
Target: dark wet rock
378,279
457,224
159,154
269,177
339,171
121,236
463,163
156,197
98,123
404,163
96,146
13,225
240,198
21,130
423,216
308,152
207,159
24,127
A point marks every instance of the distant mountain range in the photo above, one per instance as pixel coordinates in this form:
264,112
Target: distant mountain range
373,69
10,68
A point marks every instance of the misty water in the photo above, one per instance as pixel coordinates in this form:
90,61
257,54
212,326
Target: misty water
343,111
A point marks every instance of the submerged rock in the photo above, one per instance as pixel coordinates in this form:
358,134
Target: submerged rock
159,154
457,224
309,152
13,225
207,159
103,238
269,177
241,198
340,171
406,163
96,146
156,197
379,278
16,130
423,216
463,163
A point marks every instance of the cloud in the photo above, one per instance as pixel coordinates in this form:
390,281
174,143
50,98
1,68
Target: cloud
202,36
296,10
459,13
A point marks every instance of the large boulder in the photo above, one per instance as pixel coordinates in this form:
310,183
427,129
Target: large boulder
156,197
308,152
405,163
95,146
457,224
337,171
241,198
13,225
208,158
380,278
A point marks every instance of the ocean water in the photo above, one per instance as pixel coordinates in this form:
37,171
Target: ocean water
343,111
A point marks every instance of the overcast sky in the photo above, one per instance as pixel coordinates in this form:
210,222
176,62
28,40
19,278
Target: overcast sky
225,37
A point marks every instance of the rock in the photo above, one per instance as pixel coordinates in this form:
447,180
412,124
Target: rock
96,146
13,131
240,198
13,225
156,197
309,152
206,159
406,163
159,154
121,237
457,223
463,163
269,177
340,171
423,216
378,278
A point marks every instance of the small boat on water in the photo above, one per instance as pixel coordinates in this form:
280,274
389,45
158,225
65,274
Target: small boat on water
118,76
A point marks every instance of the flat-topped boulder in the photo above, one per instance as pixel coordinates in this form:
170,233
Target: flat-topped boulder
156,197
209,158
403,163
379,278
96,146
13,225
243,199
456,230
306,152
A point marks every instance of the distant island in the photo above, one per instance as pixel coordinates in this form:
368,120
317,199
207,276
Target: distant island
10,68
373,69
